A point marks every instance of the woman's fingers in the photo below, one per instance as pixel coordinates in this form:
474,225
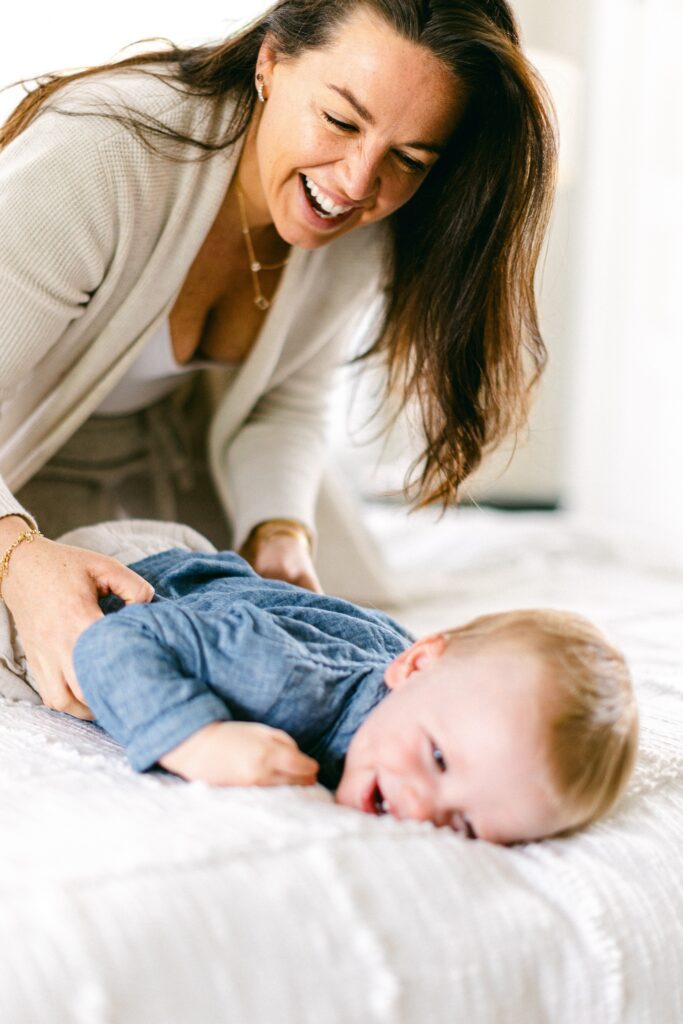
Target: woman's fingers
59,691
116,578
52,593
76,708
286,558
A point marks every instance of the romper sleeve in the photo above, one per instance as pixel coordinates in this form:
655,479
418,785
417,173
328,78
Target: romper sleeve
154,674
144,690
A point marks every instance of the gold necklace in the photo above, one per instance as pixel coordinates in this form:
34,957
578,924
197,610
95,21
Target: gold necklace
254,265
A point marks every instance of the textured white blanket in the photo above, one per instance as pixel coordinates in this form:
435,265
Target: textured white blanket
144,900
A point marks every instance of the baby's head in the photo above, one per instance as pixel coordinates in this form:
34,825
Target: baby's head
516,726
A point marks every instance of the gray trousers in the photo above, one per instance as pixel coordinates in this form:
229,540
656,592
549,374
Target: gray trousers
150,464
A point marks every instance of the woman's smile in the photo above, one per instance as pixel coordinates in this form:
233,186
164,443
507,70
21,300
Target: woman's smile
319,209
324,202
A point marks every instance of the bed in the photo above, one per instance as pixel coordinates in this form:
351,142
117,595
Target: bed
145,900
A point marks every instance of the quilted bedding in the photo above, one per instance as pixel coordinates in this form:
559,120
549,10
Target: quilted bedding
144,900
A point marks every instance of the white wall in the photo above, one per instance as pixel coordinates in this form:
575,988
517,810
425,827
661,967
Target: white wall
556,25
627,412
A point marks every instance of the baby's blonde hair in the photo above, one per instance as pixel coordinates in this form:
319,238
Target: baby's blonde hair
593,721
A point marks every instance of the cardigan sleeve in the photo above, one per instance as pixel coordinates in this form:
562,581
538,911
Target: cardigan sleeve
274,465
57,232
56,240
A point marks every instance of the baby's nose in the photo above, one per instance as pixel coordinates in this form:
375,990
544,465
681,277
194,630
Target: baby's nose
415,804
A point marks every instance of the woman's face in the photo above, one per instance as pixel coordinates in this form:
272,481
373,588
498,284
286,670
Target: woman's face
348,132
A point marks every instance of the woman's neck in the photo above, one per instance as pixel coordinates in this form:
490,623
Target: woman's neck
249,179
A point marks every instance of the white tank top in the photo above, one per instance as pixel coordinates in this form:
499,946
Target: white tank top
154,374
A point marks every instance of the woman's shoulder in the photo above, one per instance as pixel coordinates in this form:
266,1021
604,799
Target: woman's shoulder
145,94
143,87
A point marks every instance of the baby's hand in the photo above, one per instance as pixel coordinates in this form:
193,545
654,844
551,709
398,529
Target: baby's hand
241,754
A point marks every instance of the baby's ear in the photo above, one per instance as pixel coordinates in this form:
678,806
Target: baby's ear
418,656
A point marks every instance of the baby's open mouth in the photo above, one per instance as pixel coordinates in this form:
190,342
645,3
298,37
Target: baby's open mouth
379,804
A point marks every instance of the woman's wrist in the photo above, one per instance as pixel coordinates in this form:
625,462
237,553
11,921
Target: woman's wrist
271,528
10,527
26,536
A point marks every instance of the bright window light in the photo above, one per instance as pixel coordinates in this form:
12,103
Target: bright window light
39,37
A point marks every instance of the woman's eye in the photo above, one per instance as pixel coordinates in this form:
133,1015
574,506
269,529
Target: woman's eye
439,759
342,125
412,165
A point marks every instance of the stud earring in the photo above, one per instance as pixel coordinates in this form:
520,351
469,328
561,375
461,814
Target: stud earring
259,88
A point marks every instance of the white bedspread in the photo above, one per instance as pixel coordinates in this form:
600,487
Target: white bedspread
143,900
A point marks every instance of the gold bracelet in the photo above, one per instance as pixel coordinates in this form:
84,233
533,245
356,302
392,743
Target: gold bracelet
285,528
28,535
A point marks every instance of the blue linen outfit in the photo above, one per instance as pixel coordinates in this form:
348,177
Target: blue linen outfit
219,642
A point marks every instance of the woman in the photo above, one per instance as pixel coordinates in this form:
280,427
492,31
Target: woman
242,205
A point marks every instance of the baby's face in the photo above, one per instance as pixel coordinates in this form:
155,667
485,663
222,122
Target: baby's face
459,741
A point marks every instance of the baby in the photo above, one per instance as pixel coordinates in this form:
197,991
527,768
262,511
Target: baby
513,727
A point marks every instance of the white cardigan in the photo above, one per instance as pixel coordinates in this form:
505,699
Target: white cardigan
97,234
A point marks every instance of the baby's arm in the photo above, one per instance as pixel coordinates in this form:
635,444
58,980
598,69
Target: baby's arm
142,693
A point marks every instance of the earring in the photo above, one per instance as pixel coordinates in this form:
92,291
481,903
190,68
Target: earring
259,88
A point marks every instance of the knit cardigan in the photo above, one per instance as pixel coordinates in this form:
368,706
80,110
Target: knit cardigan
97,234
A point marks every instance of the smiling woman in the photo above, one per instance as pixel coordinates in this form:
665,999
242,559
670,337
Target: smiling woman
242,205
361,150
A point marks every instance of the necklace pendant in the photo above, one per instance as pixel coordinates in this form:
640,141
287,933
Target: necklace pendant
262,302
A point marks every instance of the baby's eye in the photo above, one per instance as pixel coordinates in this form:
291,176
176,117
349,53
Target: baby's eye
462,824
469,831
439,759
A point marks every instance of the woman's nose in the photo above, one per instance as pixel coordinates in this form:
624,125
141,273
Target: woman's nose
359,176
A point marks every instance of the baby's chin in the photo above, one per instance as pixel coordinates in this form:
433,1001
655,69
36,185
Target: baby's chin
355,784
355,767
344,792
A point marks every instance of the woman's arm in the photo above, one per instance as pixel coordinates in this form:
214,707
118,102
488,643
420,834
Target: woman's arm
271,470
57,225
272,467
58,220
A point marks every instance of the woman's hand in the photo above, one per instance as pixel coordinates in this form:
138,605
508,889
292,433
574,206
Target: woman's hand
241,754
281,550
51,591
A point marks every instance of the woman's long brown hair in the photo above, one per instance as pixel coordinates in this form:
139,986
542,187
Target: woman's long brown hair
460,334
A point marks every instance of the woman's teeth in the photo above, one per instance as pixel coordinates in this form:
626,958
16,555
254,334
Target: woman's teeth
323,205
